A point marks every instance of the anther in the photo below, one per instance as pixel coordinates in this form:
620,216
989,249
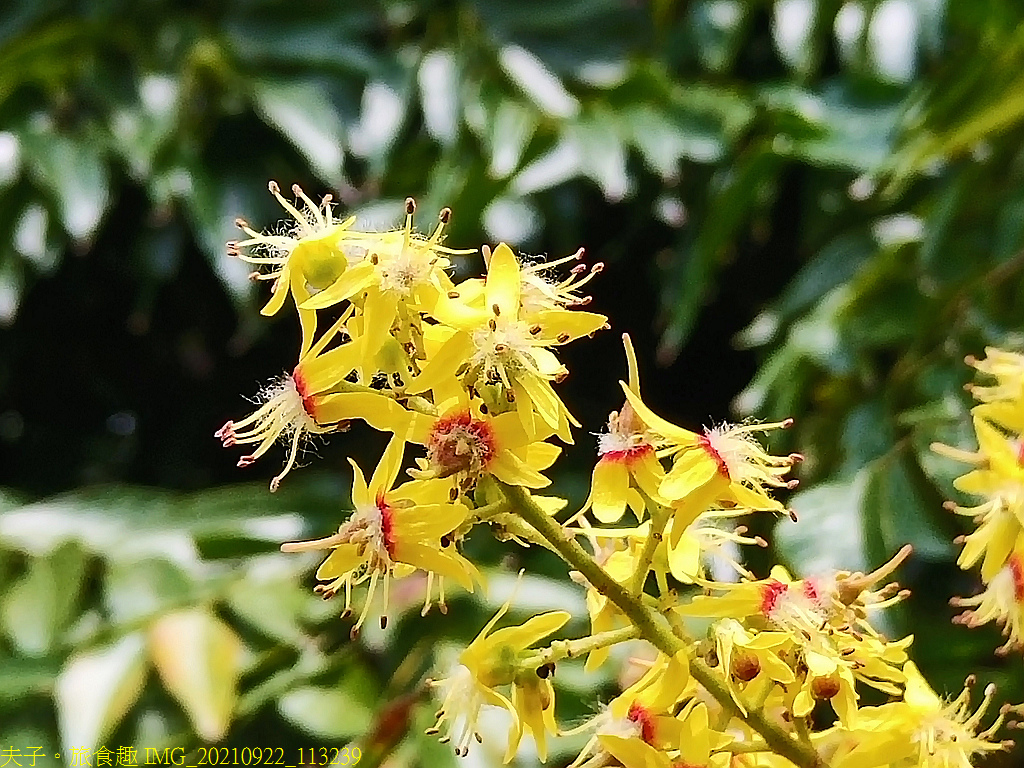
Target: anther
792,515
432,731
970,359
353,633
453,493
374,259
410,206
787,423
241,223
296,190
510,395
598,268
246,460
496,310
501,348
383,622
232,246
346,613
579,269
453,294
563,337
445,215
326,199
796,458
446,540
792,484
534,330
273,187
492,325
254,276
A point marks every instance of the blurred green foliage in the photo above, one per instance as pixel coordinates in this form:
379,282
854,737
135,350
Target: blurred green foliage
842,179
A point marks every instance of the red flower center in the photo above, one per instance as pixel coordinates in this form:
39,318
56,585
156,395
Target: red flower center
628,455
770,594
303,389
704,441
387,525
643,717
1017,571
460,443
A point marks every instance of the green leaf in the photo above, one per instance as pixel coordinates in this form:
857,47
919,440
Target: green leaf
829,532
42,602
199,659
97,688
75,172
897,507
328,713
301,111
511,129
138,588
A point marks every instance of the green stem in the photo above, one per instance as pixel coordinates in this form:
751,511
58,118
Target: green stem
652,629
570,649
659,519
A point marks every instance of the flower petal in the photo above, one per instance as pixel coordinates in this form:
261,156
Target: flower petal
503,282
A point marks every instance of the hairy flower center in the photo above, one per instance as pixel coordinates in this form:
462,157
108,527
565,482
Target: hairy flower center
460,443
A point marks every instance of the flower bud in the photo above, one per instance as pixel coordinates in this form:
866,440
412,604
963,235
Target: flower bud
824,688
745,666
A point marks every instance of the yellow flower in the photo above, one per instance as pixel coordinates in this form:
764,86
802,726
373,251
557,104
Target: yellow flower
308,256
465,445
696,744
390,528
495,346
927,730
627,455
724,465
744,655
1003,402
394,272
301,404
490,661
641,715
705,537
1002,601
829,678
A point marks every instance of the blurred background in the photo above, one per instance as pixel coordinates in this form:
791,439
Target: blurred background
806,208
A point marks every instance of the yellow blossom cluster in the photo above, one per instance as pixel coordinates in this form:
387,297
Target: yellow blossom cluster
996,480
746,671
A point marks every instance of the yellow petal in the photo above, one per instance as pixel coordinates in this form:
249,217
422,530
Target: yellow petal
280,293
503,282
691,470
379,411
560,326
442,365
352,280
634,370
655,423
532,631
343,559
360,493
608,490
386,473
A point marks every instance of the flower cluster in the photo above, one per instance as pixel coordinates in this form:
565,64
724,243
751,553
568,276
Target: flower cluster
997,481
746,671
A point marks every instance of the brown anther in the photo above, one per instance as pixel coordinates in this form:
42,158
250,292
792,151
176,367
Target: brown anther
241,223
383,622
760,542
501,348
353,633
561,376
326,199
534,330
544,671
453,493
374,259
410,206
658,536
510,395
792,515
483,408
246,460
273,187
787,423
960,540
598,268
432,731
579,269
949,506
296,190
453,294
232,247
792,483
970,359
492,325
796,458
445,215
254,276
563,337
496,310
